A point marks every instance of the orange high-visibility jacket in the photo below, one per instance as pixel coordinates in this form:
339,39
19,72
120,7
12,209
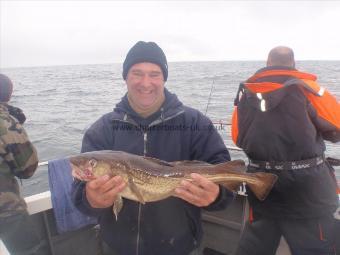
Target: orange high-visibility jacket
283,115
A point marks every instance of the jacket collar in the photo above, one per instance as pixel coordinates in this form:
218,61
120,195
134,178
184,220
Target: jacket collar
170,108
281,72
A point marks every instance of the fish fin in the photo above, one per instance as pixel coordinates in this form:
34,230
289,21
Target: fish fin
234,166
117,206
190,163
263,186
135,190
160,162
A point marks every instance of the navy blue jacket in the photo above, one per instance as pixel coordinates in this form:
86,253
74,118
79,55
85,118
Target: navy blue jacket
175,132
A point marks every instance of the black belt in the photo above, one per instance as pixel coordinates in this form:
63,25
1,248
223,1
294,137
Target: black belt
287,165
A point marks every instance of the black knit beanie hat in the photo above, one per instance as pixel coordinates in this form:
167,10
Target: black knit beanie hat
145,52
6,88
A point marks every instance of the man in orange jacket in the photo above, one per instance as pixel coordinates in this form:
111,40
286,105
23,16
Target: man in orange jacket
281,119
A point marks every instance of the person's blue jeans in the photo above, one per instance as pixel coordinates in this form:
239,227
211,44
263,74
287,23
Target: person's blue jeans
21,237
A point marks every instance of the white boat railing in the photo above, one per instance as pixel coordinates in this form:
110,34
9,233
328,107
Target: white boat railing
39,202
3,250
44,163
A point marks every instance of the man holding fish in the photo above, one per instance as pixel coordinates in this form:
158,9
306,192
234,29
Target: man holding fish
140,124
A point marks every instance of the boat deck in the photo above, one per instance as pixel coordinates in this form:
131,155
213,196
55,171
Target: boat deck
222,230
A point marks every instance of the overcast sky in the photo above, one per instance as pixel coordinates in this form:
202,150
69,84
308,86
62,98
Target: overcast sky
38,33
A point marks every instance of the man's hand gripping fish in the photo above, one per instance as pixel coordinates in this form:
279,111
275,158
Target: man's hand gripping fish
151,179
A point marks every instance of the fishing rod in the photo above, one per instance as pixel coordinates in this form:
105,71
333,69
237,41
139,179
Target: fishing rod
218,123
209,98
208,103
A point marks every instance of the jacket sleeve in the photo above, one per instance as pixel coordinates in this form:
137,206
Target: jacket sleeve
78,196
17,113
324,110
97,137
207,145
19,156
234,126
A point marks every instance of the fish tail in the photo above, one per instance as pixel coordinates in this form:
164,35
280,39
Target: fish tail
263,184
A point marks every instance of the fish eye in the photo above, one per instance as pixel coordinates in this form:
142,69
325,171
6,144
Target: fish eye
93,162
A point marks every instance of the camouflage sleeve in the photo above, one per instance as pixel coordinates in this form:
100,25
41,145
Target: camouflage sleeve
18,155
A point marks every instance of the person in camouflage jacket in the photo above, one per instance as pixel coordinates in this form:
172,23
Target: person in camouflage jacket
18,158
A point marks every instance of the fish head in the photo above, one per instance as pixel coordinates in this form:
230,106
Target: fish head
83,168
90,165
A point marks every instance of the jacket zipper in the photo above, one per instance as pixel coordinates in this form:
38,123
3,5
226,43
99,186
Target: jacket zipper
125,120
145,139
145,135
138,227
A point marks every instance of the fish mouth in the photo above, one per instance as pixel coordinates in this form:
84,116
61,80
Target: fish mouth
82,174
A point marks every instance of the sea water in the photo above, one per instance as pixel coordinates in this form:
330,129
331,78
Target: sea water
61,102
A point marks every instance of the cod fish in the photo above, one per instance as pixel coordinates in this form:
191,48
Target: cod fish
150,179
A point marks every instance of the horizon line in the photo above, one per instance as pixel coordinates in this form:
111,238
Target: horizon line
180,61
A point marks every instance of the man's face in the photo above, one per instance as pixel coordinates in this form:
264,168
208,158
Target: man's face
145,84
